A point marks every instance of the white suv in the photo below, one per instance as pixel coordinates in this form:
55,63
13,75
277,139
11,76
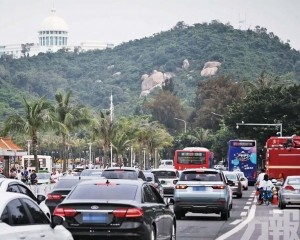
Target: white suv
168,179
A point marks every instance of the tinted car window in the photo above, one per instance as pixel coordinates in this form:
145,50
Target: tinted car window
231,176
165,174
120,174
199,176
149,195
37,214
13,188
17,212
66,183
104,191
4,216
27,192
91,172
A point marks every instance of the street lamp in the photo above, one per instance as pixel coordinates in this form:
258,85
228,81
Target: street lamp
179,119
261,124
144,158
90,153
28,147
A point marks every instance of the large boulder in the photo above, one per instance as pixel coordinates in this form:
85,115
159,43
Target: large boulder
210,69
185,64
156,79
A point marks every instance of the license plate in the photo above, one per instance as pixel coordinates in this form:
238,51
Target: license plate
94,217
199,188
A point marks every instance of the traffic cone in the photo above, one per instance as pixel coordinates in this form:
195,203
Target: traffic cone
275,199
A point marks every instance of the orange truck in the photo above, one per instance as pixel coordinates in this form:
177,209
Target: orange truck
283,156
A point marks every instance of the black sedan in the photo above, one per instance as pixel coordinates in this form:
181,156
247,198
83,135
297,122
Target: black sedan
117,209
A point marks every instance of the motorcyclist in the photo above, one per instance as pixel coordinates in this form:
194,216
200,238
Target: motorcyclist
265,184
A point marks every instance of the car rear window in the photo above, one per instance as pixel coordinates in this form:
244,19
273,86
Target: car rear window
200,176
90,172
231,176
120,174
105,191
66,183
165,174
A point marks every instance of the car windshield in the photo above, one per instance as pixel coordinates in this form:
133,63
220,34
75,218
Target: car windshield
104,191
165,174
120,174
199,176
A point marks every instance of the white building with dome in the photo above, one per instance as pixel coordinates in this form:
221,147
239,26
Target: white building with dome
52,36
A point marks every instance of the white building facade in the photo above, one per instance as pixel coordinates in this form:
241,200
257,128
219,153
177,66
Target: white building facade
52,36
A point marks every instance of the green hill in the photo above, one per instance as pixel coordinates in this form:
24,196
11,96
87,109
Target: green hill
94,75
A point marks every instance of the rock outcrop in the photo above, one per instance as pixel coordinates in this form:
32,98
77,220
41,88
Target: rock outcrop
210,69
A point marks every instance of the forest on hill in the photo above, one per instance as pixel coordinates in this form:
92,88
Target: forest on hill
258,81
244,55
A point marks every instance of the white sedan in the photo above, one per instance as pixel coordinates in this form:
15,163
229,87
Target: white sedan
243,179
16,186
22,218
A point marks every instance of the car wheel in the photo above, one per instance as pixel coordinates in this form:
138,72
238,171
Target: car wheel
152,234
179,215
225,214
173,233
246,188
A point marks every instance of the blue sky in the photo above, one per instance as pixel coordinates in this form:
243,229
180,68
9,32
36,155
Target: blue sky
117,21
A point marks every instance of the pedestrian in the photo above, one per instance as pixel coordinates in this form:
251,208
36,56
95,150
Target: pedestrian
33,177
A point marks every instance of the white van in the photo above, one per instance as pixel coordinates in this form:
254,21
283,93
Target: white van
166,163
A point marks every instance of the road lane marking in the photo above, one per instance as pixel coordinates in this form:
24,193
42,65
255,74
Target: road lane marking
236,222
249,218
243,214
246,207
248,203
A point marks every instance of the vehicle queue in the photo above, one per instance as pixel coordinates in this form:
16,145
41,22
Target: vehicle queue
122,202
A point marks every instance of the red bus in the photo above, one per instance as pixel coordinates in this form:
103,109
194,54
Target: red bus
193,157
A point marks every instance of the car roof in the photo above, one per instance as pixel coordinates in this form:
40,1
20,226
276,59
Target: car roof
164,169
200,169
7,196
9,180
117,181
127,168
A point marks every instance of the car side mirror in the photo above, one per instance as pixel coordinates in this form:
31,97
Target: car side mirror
230,183
162,181
175,181
56,220
242,179
40,198
171,201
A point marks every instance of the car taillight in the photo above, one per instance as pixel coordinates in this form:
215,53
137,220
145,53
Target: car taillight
64,212
128,212
181,186
54,196
289,187
218,187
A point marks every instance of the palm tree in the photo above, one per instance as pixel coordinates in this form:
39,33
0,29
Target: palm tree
70,117
104,130
199,137
37,117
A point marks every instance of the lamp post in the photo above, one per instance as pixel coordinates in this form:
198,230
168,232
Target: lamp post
90,153
179,119
261,124
131,157
28,147
144,158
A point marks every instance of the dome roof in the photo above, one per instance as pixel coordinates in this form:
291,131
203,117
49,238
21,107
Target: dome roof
54,23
